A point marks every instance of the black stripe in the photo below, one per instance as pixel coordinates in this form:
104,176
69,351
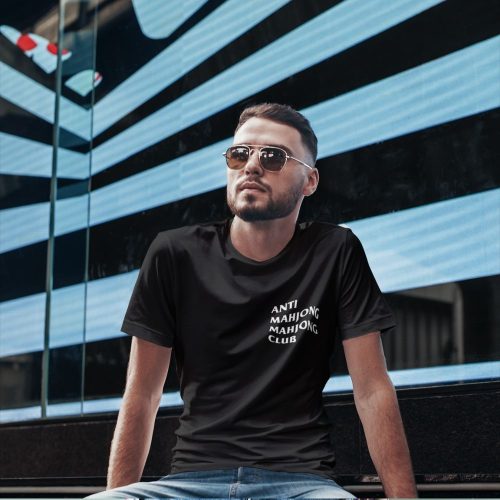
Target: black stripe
107,360
105,372
20,122
26,18
445,162
446,28
22,271
19,190
28,391
450,160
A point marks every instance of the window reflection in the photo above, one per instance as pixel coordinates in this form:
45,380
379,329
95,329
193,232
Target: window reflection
141,126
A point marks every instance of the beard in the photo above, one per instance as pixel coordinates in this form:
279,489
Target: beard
250,209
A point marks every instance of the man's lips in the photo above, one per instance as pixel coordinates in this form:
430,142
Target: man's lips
252,186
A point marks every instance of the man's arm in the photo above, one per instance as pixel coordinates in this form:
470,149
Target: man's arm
146,374
378,410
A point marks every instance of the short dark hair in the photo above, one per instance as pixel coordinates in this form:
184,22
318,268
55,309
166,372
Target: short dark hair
283,113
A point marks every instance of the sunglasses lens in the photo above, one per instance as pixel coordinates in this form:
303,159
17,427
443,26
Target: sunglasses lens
236,157
272,158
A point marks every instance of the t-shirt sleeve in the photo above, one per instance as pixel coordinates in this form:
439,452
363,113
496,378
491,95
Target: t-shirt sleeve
362,306
150,313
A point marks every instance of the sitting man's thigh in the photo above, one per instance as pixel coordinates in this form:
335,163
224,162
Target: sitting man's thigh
167,488
298,489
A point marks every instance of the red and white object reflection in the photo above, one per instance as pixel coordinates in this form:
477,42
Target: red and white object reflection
82,82
39,49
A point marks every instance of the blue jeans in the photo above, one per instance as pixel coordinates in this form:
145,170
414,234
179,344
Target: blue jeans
239,482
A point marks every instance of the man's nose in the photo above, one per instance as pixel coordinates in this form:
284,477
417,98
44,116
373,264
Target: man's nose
253,163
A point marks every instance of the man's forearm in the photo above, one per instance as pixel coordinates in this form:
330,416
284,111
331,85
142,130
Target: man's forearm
131,440
385,436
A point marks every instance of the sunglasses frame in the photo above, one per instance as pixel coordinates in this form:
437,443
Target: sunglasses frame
259,150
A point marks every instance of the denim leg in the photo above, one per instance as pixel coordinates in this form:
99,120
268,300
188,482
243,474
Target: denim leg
262,483
300,490
284,491
199,484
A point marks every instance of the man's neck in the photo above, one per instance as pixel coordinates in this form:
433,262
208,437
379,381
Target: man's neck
262,240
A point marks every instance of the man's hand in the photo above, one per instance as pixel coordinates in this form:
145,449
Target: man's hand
146,374
378,409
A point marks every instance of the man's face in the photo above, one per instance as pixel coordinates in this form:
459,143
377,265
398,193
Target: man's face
278,193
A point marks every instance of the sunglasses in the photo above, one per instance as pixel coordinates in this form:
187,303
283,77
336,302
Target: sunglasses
271,158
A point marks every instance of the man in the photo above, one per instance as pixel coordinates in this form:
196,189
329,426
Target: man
250,307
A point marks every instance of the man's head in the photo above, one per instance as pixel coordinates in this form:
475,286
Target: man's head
278,193
282,113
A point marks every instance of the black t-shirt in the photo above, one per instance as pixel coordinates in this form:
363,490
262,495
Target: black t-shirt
252,340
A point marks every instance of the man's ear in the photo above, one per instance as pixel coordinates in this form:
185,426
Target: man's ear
312,182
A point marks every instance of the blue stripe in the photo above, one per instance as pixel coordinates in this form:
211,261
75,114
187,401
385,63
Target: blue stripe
159,19
21,156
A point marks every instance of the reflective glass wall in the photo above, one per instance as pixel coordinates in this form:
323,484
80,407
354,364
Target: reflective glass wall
118,135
